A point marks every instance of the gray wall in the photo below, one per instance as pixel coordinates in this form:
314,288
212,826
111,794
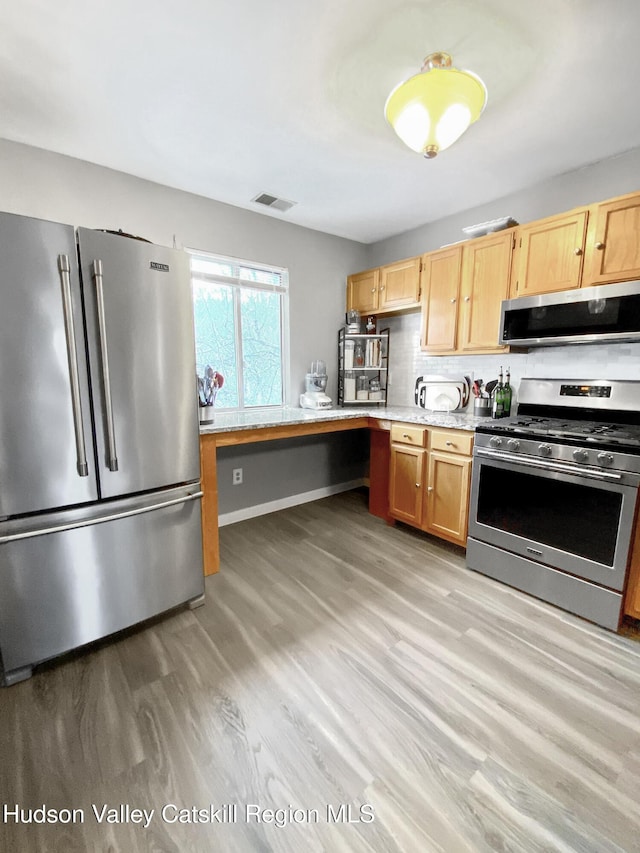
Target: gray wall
304,465
608,178
50,186
599,181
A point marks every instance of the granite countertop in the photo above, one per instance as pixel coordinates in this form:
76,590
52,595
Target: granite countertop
233,421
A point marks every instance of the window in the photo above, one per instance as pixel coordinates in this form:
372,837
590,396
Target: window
241,324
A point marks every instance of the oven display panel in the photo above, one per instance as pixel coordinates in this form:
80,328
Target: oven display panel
585,390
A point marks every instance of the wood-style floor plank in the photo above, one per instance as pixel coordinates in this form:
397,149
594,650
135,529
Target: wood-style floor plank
337,661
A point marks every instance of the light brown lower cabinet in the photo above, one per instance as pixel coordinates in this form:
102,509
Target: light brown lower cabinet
632,593
406,483
446,512
429,488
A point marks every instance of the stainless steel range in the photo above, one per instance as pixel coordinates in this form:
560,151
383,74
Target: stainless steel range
554,493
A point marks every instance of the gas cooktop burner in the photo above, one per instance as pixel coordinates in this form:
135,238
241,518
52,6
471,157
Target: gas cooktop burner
596,414
587,430
558,428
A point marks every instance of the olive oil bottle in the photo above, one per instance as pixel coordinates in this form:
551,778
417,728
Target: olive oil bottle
507,395
497,398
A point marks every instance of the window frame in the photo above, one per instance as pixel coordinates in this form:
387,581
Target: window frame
238,283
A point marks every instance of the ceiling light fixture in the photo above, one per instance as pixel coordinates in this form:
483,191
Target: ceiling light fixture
432,109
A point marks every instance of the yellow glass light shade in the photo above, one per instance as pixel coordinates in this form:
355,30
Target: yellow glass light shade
432,109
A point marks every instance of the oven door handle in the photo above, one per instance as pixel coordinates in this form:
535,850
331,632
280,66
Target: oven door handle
548,465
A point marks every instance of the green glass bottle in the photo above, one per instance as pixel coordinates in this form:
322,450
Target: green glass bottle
497,399
507,395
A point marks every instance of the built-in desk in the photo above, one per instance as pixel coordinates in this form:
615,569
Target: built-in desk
250,427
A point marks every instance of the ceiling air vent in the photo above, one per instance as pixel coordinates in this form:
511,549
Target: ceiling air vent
272,201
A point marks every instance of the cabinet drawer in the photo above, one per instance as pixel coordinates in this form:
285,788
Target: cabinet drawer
448,441
404,434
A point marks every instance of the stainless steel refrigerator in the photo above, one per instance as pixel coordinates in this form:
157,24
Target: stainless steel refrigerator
99,456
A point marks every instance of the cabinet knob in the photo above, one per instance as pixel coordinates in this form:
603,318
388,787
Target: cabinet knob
467,299
577,251
406,435
382,287
417,485
373,290
453,301
429,488
449,444
599,245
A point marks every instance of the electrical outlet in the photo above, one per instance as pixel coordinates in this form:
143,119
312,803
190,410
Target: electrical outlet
237,476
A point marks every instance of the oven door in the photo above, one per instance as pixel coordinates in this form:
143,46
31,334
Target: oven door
579,521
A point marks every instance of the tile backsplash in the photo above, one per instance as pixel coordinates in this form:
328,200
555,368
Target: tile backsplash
407,362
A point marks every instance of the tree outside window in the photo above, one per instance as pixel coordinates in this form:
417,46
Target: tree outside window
240,313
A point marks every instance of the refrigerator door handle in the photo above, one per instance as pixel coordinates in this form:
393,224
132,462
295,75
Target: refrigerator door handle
112,460
72,359
60,528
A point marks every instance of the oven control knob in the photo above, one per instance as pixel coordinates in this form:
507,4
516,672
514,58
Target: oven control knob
494,441
580,455
513,444
605,458
544,449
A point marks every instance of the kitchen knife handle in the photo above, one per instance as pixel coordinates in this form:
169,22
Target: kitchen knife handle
72,358
112,457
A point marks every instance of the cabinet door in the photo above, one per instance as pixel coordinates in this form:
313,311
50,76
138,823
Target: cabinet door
447,510
406,483
551,252
632,593
613,247
440,290
400,284
486,275
362,291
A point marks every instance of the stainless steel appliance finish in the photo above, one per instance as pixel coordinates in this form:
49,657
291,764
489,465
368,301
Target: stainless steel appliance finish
98,529
582,316
554,494
38,454
109,571
144,330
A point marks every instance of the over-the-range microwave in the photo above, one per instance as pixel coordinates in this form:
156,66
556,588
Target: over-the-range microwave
588,315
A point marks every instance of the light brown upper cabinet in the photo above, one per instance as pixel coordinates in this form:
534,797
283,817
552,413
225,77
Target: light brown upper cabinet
463,288
441,290
362,291
551,254
486,276
388,289
613,241
400,285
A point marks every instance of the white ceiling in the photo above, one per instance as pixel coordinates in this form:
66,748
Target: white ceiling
229,99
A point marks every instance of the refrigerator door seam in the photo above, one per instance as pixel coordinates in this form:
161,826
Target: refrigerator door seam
29,534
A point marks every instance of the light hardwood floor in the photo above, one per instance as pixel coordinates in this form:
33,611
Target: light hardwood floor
338,660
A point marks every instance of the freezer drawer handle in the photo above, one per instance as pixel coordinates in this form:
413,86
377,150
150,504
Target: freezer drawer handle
70,334
29,534
112,459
